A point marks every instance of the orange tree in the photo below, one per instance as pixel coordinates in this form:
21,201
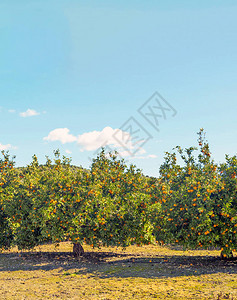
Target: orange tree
193,203
21,207
105,205
46,201
226,212
120,203
7,179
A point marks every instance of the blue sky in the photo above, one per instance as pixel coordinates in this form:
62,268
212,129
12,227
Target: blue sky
71,70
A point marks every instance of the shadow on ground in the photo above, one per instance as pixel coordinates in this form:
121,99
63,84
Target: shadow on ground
109,264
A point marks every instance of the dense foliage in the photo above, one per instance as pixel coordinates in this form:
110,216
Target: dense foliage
192,203
198,199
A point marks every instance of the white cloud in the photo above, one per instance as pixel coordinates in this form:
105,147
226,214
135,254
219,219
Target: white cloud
29,113
129,153
124,153
12,111
68,151
146,157
62,135
95,139
141,151
152,156
6,147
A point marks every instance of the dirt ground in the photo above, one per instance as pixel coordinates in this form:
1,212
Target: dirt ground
148,272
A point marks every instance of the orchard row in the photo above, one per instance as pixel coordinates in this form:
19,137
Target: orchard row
192,203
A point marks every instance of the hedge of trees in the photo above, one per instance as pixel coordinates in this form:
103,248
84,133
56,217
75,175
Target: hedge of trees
192,203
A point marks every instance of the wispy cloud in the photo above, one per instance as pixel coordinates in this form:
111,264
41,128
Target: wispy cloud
146,156
152,156
128,153
12,111
6,147
29,113
68,151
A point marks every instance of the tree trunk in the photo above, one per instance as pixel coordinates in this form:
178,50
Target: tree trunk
78,249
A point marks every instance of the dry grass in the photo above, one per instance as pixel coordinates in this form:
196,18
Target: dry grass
148,272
